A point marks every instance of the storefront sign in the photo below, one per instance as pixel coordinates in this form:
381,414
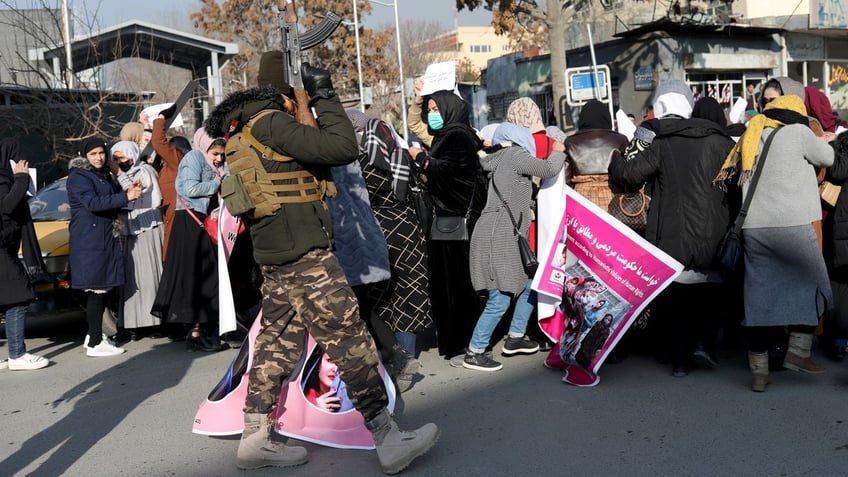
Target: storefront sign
643,78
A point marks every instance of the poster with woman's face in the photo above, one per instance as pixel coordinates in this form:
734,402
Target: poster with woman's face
322,385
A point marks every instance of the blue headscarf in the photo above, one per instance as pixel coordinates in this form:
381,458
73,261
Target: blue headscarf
519,135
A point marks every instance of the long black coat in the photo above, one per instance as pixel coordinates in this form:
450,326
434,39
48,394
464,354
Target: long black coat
688,216
838,174
15,285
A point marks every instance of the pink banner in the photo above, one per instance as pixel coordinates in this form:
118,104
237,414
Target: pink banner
304,417
315,403
604,274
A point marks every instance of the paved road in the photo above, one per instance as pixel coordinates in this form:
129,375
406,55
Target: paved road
131,416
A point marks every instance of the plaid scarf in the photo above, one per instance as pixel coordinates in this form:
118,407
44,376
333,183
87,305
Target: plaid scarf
380,144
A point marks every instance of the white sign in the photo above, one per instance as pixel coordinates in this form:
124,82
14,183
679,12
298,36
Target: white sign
439,77
153,113
585,83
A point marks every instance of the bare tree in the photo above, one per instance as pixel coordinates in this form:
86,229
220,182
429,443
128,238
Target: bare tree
51,112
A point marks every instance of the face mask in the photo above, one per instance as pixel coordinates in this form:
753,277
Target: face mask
435,121
125,166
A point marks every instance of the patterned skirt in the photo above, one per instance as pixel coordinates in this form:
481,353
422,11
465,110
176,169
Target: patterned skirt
403,301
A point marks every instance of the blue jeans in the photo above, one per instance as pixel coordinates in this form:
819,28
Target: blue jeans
406,339
495,308
15,315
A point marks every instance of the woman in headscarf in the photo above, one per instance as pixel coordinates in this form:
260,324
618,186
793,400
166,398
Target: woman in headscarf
452,174
142,231
590,151
495,262
780,245
15,288
97,260
400,306
678,158
188,291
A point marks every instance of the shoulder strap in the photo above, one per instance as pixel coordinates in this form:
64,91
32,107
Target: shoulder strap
740,219
190,212
508,212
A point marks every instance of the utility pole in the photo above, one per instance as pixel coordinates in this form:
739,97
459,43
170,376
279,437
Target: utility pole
66,40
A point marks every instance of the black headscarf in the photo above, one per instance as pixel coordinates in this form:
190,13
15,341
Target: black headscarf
454,175
594,115
708,108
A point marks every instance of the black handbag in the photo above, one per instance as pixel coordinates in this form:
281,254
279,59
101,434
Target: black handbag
452,227
730,257
528,258
449,227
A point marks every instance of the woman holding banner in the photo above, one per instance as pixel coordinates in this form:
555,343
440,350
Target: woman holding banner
687,219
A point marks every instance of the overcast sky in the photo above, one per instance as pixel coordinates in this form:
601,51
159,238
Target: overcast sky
112,12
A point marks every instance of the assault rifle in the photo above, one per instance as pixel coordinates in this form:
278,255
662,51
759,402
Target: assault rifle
294,47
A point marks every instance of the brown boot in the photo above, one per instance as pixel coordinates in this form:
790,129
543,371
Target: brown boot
798,355
256,449
758,362
396,449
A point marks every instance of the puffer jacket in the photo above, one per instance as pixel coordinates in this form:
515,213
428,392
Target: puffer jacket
688,216
295,229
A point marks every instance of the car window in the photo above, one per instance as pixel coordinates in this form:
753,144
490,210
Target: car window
51,203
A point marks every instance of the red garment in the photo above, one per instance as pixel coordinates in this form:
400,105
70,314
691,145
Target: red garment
544,144
171,158
819,107
312,395
544,147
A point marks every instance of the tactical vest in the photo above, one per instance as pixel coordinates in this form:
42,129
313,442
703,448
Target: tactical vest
267,191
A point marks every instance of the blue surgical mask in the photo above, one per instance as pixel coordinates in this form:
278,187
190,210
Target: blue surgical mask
435,121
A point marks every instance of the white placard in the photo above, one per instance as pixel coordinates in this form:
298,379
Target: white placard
737,113
625,125
439,77
153,113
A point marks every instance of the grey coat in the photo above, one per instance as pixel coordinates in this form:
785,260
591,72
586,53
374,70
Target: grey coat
495,261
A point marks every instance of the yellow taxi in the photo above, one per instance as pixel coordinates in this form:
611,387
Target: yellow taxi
51,215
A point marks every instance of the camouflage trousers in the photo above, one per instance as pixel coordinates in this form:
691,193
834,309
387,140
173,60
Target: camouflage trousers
312,296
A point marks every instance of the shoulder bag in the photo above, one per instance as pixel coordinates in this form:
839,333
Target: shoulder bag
528,258
452,227
730,252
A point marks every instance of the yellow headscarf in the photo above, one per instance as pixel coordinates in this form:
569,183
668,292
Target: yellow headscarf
747,149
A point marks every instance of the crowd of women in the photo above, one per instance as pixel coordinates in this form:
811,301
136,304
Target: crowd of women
426,229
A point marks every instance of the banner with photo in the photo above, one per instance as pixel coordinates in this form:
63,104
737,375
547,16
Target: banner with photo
603,274
314,404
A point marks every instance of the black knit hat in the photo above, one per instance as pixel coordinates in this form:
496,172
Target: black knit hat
91,143
272,71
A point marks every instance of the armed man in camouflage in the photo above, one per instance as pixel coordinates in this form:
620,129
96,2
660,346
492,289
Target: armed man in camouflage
304,289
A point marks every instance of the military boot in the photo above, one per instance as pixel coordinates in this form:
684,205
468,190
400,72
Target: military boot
257,449
396,449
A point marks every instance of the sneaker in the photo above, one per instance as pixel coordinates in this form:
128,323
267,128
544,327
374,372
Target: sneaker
104,348
523,345
27,362
102,337
480,362
704,359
